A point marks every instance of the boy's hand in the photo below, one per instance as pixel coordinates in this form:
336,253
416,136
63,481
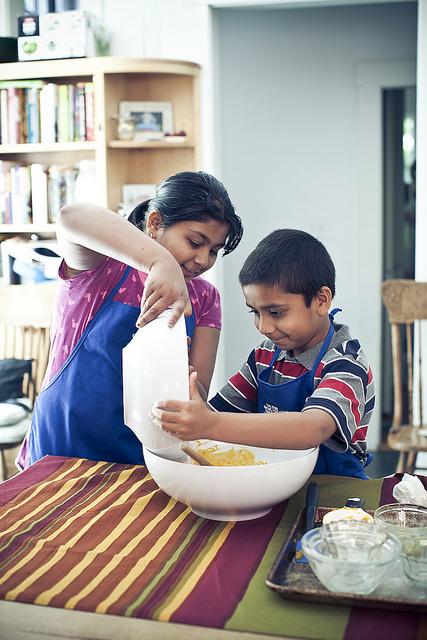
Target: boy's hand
185,420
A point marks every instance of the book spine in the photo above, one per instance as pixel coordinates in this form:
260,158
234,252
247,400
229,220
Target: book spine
48,113
80,109
39,194
23,128
90,111
32,109
71,94
14,115
63,132
4,116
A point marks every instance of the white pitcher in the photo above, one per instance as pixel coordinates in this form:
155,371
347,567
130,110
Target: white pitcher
155,367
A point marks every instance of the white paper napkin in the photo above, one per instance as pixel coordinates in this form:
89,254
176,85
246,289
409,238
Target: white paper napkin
411,490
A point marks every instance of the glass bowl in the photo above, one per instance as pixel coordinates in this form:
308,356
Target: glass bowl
409,523
351,556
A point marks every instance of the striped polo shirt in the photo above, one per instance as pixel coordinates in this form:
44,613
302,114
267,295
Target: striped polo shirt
343,386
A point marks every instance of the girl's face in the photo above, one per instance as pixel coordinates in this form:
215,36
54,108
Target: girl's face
194,244
283,317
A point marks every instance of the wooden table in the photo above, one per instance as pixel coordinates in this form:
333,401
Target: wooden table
95,550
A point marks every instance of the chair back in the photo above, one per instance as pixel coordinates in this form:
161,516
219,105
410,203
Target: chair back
25,318
406,304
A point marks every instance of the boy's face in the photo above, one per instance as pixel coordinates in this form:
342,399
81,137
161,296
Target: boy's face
284,318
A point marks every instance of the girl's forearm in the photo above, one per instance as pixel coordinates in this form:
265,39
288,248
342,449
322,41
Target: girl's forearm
273,430
106,233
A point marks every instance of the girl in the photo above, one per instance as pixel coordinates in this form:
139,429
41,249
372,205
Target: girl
104,290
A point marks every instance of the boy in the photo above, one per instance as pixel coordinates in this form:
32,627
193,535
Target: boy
307,384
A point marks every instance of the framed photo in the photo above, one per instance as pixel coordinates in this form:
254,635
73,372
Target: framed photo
152,119
133,194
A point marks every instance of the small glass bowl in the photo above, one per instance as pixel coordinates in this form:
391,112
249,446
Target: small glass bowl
409,523
351,556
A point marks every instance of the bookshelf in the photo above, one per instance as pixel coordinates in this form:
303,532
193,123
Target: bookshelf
117,162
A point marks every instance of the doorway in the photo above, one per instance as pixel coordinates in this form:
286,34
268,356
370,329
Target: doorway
399,169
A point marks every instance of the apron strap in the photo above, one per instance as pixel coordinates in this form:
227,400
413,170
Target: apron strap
326,342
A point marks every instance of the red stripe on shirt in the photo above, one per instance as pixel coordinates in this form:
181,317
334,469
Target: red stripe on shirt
263,356
290,369
239,382
359,435
346,391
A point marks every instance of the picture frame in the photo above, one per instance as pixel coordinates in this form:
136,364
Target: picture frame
133,194
152,119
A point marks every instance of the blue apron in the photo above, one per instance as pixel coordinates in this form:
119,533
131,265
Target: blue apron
80,412
291,396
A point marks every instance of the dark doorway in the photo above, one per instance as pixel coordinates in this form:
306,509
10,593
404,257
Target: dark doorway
399,125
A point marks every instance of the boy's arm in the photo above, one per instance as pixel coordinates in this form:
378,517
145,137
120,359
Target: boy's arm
192,420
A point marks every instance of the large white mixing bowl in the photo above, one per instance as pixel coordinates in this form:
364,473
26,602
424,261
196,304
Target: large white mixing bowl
234,493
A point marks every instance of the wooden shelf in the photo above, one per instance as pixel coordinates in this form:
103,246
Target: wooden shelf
88,67
118,162
27,228
54,147
152,144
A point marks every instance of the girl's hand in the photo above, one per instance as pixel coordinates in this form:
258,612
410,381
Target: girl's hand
185,420
164,287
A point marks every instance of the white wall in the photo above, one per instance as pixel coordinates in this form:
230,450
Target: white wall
290,146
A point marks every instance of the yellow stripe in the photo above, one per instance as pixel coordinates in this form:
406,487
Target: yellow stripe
20,502
195,575
123,476
141,564
135,512
117,558
55,498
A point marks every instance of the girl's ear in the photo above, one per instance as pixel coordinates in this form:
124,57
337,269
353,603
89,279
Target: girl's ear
324,300
154,222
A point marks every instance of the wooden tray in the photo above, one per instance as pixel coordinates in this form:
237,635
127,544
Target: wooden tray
296,581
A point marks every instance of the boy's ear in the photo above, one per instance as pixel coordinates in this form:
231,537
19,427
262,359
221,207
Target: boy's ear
324,300
154,222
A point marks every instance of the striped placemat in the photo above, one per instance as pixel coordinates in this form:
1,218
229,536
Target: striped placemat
101,537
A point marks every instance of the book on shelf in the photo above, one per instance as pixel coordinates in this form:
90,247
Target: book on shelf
13,109
63,120
20,194
80,129
34,193
90,111
4,118
5,193
48,113
61,188
33,115
39,204
33,111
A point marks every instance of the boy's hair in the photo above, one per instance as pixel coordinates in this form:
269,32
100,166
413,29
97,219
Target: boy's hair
291,260
191,195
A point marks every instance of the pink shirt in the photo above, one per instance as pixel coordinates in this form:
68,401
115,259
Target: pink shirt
80,297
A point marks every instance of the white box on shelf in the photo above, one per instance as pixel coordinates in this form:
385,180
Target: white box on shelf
67,34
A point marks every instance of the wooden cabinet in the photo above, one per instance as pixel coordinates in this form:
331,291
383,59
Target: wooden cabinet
117,162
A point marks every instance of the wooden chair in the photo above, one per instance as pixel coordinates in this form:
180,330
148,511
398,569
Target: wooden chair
406,304
25,317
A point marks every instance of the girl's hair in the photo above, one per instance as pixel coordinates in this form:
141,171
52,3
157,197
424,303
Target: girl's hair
191,195
290,260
